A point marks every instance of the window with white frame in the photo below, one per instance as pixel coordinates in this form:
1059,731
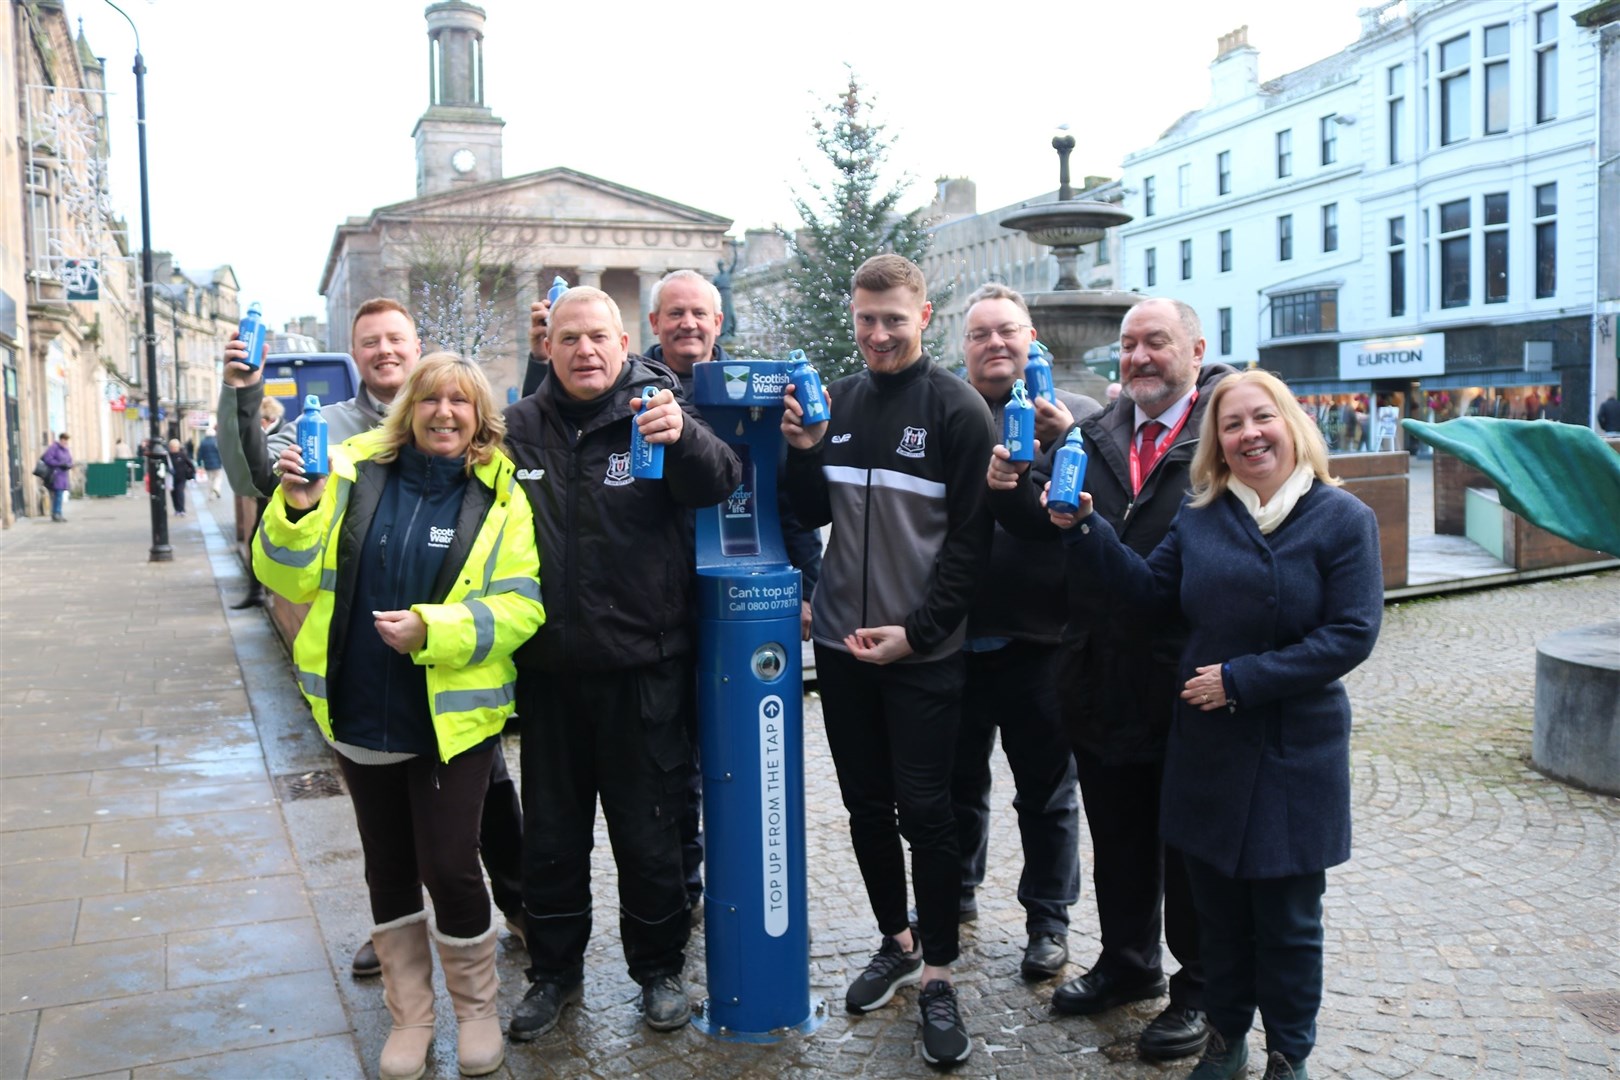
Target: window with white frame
1184,187
1285,237
1223,247
1225,320
1395,111
1186,260
1149,195
1546,65
1397,266
1329,139
1315,311
1150,264
1455,88
1285,153
1496,79
1496,248
1546,211
1455,265
1223,173
1330,227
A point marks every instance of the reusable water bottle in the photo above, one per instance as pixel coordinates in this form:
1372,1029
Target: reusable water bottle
312,437
559,285
1018,425
646,459
1038,373
251,331
807,388
1068,475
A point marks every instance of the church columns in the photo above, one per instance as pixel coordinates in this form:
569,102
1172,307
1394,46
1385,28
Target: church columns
591,276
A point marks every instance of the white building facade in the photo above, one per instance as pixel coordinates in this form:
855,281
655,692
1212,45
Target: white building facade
1408,223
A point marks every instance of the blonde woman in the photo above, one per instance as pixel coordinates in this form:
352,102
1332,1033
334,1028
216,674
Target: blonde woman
417,555
1276,570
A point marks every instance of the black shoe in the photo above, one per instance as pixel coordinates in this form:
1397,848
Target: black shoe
1044,956
542,1007
664,1004
1281,1067
945,1041
1221,1062
1177,1032
891,967
365,963
254,598
1097,991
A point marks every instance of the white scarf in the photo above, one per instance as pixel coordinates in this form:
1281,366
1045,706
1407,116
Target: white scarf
1275,512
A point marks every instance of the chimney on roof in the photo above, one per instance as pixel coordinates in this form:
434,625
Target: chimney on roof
1235,72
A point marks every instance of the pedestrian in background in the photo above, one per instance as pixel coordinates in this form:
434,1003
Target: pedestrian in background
213,468
1276,570
181,472
59,459
272,417
417,555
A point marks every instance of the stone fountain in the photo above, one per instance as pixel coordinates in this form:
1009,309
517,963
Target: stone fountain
1073,320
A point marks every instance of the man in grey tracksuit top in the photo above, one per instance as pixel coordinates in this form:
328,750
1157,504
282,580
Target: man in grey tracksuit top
895,474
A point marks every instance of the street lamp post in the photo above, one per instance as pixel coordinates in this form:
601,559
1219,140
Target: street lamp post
155,456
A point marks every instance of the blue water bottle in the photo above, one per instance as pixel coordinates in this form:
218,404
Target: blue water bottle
646,459
559,285
1068,475
807,388
1038,373
312,437
251,331
1018,425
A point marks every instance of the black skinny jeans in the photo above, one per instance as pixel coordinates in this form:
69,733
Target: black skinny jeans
419,826
892,732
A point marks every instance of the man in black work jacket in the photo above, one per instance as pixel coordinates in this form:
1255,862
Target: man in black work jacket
602,691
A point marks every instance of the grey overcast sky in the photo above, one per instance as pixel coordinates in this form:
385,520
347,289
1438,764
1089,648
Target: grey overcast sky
271,122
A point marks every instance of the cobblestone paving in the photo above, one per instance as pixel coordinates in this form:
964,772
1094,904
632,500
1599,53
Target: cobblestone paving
1480,894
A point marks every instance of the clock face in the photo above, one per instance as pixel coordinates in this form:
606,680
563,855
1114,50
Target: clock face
463,160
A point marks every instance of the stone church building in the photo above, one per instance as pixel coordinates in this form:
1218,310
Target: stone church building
503,237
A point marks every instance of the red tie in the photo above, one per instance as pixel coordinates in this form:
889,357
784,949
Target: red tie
1150,446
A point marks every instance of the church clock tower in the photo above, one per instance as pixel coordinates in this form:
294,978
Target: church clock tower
458,140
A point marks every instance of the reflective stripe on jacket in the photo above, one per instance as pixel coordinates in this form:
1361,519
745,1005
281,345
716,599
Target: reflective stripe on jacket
492,605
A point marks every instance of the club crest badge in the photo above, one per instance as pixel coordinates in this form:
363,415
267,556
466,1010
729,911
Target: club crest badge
618,470
914,443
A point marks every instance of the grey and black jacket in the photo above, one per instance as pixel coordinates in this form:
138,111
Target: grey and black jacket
900,476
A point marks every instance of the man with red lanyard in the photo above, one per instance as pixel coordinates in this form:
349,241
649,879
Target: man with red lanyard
1117,675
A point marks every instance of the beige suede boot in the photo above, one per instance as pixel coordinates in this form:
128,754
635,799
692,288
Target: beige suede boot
469,975
407,975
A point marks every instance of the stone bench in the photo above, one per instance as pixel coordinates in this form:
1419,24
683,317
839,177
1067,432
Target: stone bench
1577,727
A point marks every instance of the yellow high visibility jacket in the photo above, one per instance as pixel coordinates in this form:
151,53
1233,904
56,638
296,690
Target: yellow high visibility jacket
492,607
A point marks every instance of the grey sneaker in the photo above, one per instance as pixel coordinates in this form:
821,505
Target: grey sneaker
891,967
945,1041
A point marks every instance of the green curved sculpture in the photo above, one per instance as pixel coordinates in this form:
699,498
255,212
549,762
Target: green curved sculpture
1560,477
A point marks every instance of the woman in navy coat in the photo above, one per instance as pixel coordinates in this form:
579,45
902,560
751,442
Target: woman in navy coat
1276,571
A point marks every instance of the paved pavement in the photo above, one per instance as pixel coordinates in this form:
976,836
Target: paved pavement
171,904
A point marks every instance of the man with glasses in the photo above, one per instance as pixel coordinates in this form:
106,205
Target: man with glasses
1013,632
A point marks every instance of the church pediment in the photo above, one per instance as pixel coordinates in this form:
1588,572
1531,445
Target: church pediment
554,195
